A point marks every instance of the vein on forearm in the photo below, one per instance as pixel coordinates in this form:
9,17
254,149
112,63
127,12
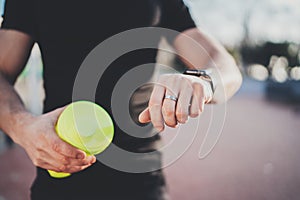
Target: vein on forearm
10,103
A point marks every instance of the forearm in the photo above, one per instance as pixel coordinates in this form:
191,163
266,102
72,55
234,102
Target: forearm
12,110
225,74
199,51
15,48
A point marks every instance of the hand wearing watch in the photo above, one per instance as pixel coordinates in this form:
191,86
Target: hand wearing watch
203,74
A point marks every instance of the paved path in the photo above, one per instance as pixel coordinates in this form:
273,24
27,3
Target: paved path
257,157
16,174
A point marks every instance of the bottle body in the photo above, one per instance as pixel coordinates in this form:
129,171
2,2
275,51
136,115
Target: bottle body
86,126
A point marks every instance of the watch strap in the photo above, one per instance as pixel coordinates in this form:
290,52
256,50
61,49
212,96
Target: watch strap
202,74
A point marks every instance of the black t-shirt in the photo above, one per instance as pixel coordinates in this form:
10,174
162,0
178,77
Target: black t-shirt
68,30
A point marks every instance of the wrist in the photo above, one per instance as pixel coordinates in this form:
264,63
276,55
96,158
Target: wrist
203,74
207,80
17,124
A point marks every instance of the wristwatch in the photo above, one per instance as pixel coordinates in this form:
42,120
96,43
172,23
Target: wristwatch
203,74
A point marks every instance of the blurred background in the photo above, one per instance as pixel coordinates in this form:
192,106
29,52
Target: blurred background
257,155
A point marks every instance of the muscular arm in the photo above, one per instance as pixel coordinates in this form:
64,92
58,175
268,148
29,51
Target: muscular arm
190,93
200,51
14,51
36,134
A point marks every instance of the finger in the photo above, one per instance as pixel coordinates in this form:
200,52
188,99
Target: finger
63,168
78,162
75,169
169,105
65,149
173,86
144,116
194,108
57,162
198,101
197,106
78,165
46,162
168,111
49,166
58,144
183,103
155,104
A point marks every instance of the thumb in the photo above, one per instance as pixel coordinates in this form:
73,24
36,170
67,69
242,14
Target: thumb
144,117
56,113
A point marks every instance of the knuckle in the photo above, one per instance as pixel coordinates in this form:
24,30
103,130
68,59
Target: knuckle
64,160
85,162
181,116
157,123
154,102
194,114
39,148
171,123
37,161
69,151
56,146
198,86
73,170
168,112
62,168
159,128
189,88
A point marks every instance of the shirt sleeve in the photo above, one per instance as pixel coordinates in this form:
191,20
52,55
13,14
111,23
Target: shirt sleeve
19,15
176,16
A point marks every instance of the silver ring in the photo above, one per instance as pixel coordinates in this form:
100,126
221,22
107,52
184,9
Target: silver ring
173,98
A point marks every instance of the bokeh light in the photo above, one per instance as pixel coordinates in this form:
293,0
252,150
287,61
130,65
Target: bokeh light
295,73
258,72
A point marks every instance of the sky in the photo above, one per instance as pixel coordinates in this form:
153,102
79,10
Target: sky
1,7
268,20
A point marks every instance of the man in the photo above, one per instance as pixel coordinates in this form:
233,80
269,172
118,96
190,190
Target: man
66,32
